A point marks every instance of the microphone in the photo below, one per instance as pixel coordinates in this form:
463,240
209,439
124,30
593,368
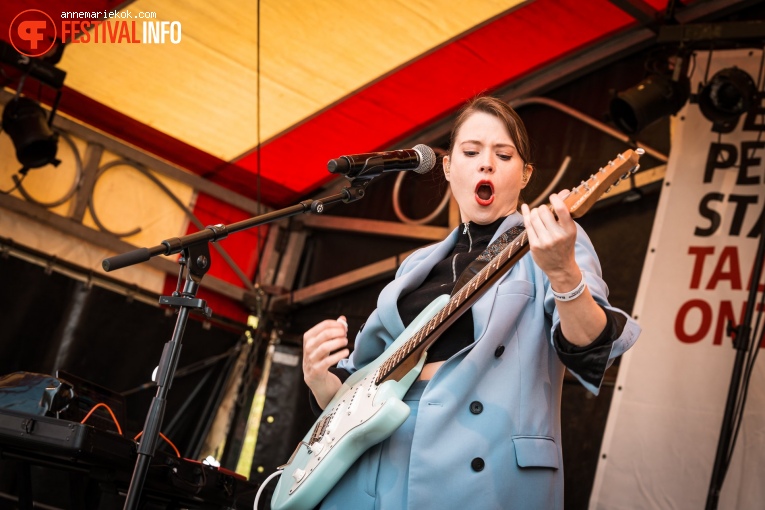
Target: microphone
421,159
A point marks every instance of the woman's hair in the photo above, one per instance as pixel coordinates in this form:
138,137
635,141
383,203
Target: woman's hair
503,112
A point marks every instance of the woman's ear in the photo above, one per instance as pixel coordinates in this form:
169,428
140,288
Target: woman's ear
528,169
446,167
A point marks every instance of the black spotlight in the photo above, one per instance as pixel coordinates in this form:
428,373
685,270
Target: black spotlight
35,142
653,98
725,97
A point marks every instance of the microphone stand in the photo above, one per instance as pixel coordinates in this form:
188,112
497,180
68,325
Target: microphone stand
195,262
741,343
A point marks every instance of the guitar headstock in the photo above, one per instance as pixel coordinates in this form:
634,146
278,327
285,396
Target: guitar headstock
588,192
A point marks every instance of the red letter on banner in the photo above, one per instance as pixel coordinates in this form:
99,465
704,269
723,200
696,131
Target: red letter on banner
706,321
734,269
698,264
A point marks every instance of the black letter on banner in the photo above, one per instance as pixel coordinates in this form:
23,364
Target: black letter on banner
751,118
747,161
715,150
710,214
742,202
757,228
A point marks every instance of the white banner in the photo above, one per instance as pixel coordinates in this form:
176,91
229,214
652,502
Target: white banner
662,431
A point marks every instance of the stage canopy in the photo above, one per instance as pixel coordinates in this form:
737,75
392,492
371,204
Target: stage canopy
258,96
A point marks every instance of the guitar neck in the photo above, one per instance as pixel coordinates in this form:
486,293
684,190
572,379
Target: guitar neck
405,357
578,202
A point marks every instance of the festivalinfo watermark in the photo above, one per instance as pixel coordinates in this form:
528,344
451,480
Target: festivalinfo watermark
34,32
115,14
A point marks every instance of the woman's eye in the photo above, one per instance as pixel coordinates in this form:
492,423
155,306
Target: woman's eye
470,153
505,157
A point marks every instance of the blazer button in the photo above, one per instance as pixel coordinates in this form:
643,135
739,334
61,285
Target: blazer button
499,351
476,407
477,464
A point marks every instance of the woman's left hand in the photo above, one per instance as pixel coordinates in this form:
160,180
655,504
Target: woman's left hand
552,241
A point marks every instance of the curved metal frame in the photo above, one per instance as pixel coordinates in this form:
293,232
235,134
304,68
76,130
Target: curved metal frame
75,184
188,212
81,190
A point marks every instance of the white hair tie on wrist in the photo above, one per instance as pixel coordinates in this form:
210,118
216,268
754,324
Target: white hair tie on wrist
570,295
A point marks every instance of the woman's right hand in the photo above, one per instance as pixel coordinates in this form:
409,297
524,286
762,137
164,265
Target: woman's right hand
324,345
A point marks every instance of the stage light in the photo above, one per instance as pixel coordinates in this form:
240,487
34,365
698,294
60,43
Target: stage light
653,98
725,97
25,122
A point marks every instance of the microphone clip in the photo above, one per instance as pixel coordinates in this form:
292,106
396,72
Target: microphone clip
357,189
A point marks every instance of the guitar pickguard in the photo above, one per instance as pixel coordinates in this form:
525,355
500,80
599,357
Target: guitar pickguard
361,414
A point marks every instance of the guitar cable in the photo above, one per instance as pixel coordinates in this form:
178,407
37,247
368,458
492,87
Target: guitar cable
263,486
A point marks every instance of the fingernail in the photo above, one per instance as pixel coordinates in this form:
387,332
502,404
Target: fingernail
342,321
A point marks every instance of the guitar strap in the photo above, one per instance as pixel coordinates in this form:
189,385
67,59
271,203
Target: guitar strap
484,258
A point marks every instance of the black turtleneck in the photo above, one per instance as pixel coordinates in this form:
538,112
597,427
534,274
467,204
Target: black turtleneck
471,242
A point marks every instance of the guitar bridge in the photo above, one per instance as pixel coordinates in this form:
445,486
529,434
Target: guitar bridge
321,427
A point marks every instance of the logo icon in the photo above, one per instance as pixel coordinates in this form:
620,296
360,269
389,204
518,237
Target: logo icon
29,33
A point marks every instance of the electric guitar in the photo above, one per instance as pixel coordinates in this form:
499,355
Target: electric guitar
368,407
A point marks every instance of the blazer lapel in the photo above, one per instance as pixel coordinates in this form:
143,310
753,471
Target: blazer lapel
482,308
388,299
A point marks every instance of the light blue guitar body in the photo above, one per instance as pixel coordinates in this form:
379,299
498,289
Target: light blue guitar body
360,415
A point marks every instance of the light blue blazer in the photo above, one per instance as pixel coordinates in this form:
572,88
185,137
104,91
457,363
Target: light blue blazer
512,370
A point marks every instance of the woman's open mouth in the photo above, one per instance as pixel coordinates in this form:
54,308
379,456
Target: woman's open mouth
484,193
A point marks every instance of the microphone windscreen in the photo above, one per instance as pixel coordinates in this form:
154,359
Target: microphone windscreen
427,158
